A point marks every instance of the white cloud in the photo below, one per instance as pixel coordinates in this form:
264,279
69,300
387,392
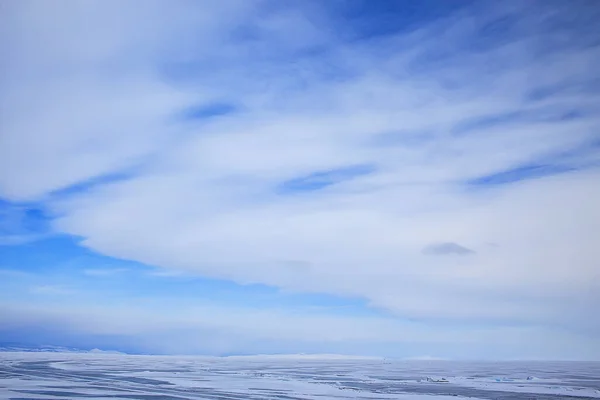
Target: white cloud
11,240
14,273
51,290
104,272
202,197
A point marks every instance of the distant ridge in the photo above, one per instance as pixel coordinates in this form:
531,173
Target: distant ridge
27,348
425,358
302,356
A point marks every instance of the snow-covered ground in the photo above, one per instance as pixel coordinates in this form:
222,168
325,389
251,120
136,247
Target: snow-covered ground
102,376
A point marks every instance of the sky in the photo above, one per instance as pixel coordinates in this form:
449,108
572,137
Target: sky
395,178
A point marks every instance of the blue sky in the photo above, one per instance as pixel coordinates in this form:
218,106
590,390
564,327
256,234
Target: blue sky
394,178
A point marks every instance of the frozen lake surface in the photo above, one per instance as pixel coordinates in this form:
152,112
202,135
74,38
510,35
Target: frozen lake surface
101,376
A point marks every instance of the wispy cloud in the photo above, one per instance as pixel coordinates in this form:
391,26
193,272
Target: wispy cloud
225,138
105,272
11,240
14,273
51,290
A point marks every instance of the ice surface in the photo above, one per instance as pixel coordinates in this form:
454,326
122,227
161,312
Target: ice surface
102,376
